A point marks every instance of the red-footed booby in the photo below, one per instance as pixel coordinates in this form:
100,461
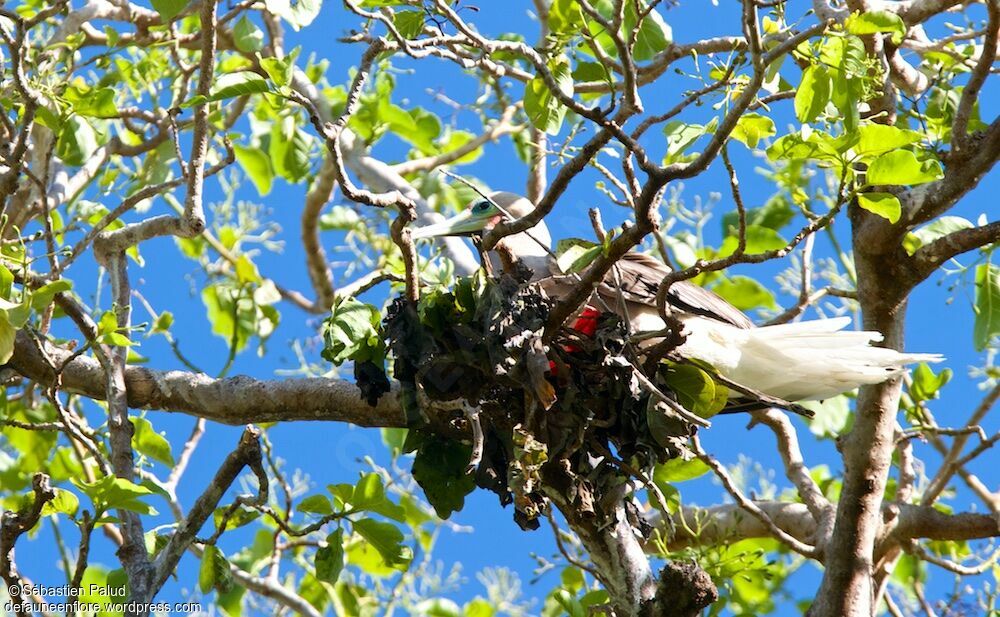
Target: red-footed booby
801,361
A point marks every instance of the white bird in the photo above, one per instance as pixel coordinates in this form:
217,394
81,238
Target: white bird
801,361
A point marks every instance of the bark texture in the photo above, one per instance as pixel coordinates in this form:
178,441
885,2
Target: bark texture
847,589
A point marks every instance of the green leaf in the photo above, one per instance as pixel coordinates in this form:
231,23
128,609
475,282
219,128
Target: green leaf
280,70
576,256
591,71
440,469
150,443
387,539
342,494
418,126
239,517
651,36
7,335
885,205
125,495
368,492
759,240
877,21
64,502
77,141
876,139
298,13
97,582
565,17
409,23
479,607
909,570
745,293
316,504
107,329
774,214
813,93
163,322
32,448
232,85
352,333
111,492
543,108
237,313
678,470
654,33
594,598
901,167
42,297
681,136
92,102
168,9
832,416
290,150
393,439
63,465
330,558
6,282
751,128
937,228
925,384
246,271
569,604
214,572
987,307
107,323
247,36
257,166
341,218
312,591
695,389
438,607
456,140
116,339
807,145
846,60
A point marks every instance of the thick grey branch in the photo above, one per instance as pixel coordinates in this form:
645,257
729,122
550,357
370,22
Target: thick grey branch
235,400
930,257
720,524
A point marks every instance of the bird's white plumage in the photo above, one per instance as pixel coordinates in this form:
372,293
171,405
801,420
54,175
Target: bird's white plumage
807,360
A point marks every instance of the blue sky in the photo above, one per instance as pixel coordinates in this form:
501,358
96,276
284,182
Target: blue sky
939,319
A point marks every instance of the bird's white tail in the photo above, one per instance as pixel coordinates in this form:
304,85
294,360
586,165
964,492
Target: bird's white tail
813,360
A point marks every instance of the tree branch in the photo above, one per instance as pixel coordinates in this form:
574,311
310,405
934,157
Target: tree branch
729,523
316,261
930,257
235,400
12,526
246,454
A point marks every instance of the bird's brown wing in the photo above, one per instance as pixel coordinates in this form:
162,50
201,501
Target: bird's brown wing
639,276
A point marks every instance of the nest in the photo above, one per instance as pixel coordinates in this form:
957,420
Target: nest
568,415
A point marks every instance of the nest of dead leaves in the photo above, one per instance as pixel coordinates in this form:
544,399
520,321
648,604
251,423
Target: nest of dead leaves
524,416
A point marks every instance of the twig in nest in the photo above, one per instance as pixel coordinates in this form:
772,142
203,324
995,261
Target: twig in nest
472,415
484,259
671,403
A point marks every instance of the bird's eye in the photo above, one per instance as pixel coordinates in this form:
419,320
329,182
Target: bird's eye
481,206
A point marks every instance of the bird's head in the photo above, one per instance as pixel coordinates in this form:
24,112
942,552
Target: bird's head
480,215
